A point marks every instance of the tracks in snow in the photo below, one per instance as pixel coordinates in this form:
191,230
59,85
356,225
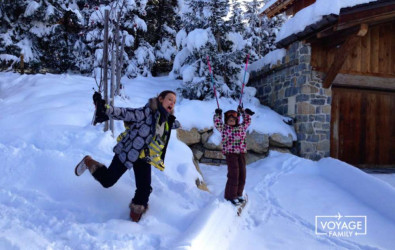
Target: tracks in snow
217,225
270,207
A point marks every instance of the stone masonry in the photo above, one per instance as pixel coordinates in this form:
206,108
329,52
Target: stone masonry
258,145
293,89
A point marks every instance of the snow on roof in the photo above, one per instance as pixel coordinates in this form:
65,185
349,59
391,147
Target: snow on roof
269,59
313,14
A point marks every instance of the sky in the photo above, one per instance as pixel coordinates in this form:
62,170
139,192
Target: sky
294,203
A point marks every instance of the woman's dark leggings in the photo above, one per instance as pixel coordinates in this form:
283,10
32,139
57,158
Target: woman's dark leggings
142,174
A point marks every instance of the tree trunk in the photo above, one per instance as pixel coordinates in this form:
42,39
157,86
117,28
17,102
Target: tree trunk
120,65
112,91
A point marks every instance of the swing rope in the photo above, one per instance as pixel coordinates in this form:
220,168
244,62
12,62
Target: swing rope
212,81
244,80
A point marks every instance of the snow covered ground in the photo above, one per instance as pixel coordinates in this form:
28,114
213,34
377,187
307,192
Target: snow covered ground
46,130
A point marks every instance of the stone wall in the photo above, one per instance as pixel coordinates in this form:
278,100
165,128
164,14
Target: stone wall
293,89
258,145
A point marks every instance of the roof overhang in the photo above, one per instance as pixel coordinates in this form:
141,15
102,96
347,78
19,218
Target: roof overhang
277,7
325,22
370,13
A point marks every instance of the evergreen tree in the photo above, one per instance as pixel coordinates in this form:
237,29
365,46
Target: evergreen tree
219,10
128,16
162,20
190,62
44,32
236,17
195,17
58,44
253,31
228,58
270,28
59,35
12,34
206,33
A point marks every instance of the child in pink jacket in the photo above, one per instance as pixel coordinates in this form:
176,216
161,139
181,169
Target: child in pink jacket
234,148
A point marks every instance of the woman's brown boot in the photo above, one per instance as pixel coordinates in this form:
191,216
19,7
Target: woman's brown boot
87,163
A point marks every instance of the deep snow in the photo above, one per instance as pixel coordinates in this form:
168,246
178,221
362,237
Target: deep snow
46,130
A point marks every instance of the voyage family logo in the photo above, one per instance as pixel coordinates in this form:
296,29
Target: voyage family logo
341,226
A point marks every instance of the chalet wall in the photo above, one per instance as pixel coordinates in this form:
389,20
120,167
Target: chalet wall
373,55
293,89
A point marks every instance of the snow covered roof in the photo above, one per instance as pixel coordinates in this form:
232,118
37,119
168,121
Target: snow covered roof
326,21
314,17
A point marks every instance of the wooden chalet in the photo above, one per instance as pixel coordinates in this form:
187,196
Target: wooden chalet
354,52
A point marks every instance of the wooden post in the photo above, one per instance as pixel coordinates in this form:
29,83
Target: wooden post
22,64
119,53
105,61
112,91
117,56
119,66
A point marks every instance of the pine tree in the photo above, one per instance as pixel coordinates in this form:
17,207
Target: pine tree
253,30
195,18
58,45
16,39
11,33
44,32
190,63
219,10
206,33
227,59
270,28
162,20
128,14
236,17
59,35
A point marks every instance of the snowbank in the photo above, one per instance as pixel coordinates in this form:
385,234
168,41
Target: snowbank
46,130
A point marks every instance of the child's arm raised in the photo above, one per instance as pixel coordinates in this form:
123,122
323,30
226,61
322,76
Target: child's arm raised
247,113
218,124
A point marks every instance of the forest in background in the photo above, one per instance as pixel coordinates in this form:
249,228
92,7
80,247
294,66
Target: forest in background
158,37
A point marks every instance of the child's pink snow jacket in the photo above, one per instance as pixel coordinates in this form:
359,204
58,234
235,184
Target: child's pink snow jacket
233,138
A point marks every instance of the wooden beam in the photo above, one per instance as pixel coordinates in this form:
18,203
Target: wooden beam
371,14
331,38
276,8
326,32
342,53
338,37
363,30
364,81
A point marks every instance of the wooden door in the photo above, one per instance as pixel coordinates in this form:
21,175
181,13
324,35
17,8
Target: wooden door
363,127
